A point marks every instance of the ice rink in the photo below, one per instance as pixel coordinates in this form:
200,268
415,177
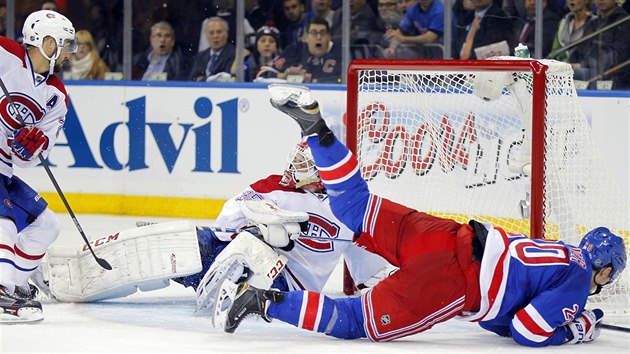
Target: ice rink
163,321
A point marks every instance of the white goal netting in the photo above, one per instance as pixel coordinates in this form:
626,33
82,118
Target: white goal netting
425,138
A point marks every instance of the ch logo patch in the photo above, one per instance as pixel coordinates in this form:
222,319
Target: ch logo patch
385,320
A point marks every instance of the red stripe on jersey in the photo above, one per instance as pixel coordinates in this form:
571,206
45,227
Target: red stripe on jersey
14,48
25,255
272,183
340,171
531,325
4,154
8,248
53,80
311,313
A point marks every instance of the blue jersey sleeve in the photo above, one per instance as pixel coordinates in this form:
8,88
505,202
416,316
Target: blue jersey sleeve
542,321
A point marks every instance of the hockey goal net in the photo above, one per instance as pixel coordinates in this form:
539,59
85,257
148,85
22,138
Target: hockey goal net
521,157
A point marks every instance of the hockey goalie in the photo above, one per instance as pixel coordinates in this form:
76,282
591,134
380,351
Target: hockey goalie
283,235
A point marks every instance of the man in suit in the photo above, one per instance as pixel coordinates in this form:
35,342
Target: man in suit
525,32
216,59
490,24
162,57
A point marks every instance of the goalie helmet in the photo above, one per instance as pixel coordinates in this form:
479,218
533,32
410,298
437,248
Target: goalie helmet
605,248
301,170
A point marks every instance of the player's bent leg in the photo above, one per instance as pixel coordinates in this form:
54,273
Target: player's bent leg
32,244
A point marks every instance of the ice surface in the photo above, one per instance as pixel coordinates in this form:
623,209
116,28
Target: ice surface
163,321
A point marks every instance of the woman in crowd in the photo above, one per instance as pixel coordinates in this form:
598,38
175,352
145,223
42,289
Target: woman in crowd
571,27
86,64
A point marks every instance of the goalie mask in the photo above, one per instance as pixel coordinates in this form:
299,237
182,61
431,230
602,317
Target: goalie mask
301,169
605,249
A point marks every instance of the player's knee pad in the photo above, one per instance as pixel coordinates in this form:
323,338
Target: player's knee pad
40,234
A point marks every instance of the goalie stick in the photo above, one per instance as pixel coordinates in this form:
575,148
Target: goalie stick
103,263
251,229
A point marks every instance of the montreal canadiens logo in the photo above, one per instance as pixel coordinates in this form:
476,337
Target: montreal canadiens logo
28,108
323,229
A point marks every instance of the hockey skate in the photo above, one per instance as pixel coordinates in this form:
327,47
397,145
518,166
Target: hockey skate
14,310
296,102
237,301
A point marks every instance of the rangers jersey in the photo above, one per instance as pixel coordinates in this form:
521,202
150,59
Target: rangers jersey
531,288
311,261
42,102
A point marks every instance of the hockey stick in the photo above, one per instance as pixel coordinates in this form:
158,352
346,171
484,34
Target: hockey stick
103,263
246,228
615,328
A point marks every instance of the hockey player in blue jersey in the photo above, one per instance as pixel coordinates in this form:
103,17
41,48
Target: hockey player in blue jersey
533,291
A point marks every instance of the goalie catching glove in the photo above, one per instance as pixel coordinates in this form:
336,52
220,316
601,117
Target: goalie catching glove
585,328
277,227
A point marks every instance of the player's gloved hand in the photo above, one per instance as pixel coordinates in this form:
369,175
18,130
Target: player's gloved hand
279,235
28,141
586,327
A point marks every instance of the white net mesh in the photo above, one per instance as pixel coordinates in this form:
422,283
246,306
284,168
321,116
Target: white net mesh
426,139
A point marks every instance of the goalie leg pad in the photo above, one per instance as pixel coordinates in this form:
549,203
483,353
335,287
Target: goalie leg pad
209,247
142,258
261,266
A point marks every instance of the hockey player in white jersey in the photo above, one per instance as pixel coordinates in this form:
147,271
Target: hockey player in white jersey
261,216
27,226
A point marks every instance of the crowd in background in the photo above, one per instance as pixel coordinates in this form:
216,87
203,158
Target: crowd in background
300,40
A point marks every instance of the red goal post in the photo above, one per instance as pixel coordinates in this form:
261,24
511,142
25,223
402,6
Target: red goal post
522,159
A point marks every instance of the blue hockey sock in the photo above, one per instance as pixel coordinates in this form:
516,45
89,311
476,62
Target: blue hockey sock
340,172
340,318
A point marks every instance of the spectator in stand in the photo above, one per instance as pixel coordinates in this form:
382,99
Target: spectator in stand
489,25
226,10
215,62
294,15
571,27
161,57
389,14
86,63
3,20
266,50
362,24
49,5
405,5
317,60
608,49
423,23
525,33
321,8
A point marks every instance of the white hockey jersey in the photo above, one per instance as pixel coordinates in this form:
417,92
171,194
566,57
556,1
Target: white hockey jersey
310,262
42,102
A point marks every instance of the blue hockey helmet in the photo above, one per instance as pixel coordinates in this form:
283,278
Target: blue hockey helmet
605,249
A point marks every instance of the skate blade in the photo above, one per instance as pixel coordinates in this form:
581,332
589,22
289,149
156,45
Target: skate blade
223,303
26,315
282,93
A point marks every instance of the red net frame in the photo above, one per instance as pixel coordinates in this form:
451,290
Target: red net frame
539,96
